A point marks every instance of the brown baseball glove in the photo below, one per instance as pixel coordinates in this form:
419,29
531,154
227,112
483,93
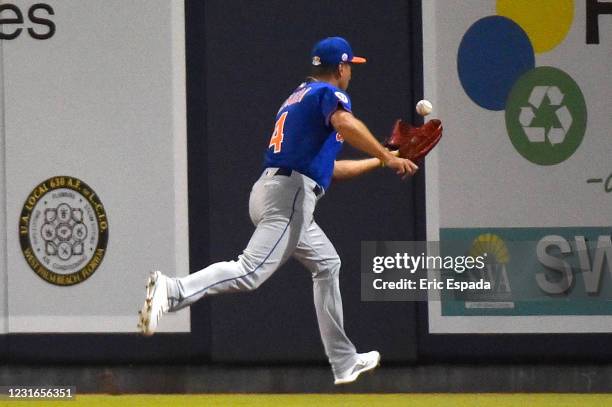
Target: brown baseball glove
414,142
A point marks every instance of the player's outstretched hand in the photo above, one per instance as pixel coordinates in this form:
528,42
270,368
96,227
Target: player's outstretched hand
402,166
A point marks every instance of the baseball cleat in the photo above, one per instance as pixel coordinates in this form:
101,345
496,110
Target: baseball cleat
155,305
365,362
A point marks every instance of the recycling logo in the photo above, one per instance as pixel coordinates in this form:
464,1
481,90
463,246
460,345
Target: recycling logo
546,116
544,108
554,135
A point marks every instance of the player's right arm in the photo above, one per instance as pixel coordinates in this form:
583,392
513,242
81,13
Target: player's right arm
355,132
347,169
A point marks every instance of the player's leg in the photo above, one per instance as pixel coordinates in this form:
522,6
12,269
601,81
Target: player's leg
317,253
278,207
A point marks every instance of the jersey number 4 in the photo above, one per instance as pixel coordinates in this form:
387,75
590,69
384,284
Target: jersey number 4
276,140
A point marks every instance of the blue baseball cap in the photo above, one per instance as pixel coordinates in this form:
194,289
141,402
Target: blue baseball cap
332,51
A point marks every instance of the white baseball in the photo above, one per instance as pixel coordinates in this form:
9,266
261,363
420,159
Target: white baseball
423,107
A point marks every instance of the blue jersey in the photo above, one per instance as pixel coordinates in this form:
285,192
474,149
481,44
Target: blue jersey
303,138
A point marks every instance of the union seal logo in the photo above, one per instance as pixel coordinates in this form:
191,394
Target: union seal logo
63,231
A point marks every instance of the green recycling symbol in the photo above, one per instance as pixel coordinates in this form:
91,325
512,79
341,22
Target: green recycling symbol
546,116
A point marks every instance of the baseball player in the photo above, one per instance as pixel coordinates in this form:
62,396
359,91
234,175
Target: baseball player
300,162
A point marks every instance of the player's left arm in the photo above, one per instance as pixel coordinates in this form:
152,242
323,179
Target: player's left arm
347,169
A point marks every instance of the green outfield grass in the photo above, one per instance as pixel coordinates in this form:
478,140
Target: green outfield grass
412,400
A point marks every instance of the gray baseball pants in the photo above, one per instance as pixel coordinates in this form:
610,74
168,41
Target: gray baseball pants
281,208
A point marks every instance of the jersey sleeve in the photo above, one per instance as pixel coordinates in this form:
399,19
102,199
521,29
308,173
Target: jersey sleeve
331,99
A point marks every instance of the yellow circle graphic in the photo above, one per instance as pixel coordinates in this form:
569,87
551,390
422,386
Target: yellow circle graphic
546,22
492,245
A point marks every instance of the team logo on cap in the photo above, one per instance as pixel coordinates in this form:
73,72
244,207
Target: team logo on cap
345,57
316,61
63,231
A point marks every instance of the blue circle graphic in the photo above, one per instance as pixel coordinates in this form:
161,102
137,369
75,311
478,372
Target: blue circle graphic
493,54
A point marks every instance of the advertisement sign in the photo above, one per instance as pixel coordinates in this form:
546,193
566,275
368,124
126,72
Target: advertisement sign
94,160
523,91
